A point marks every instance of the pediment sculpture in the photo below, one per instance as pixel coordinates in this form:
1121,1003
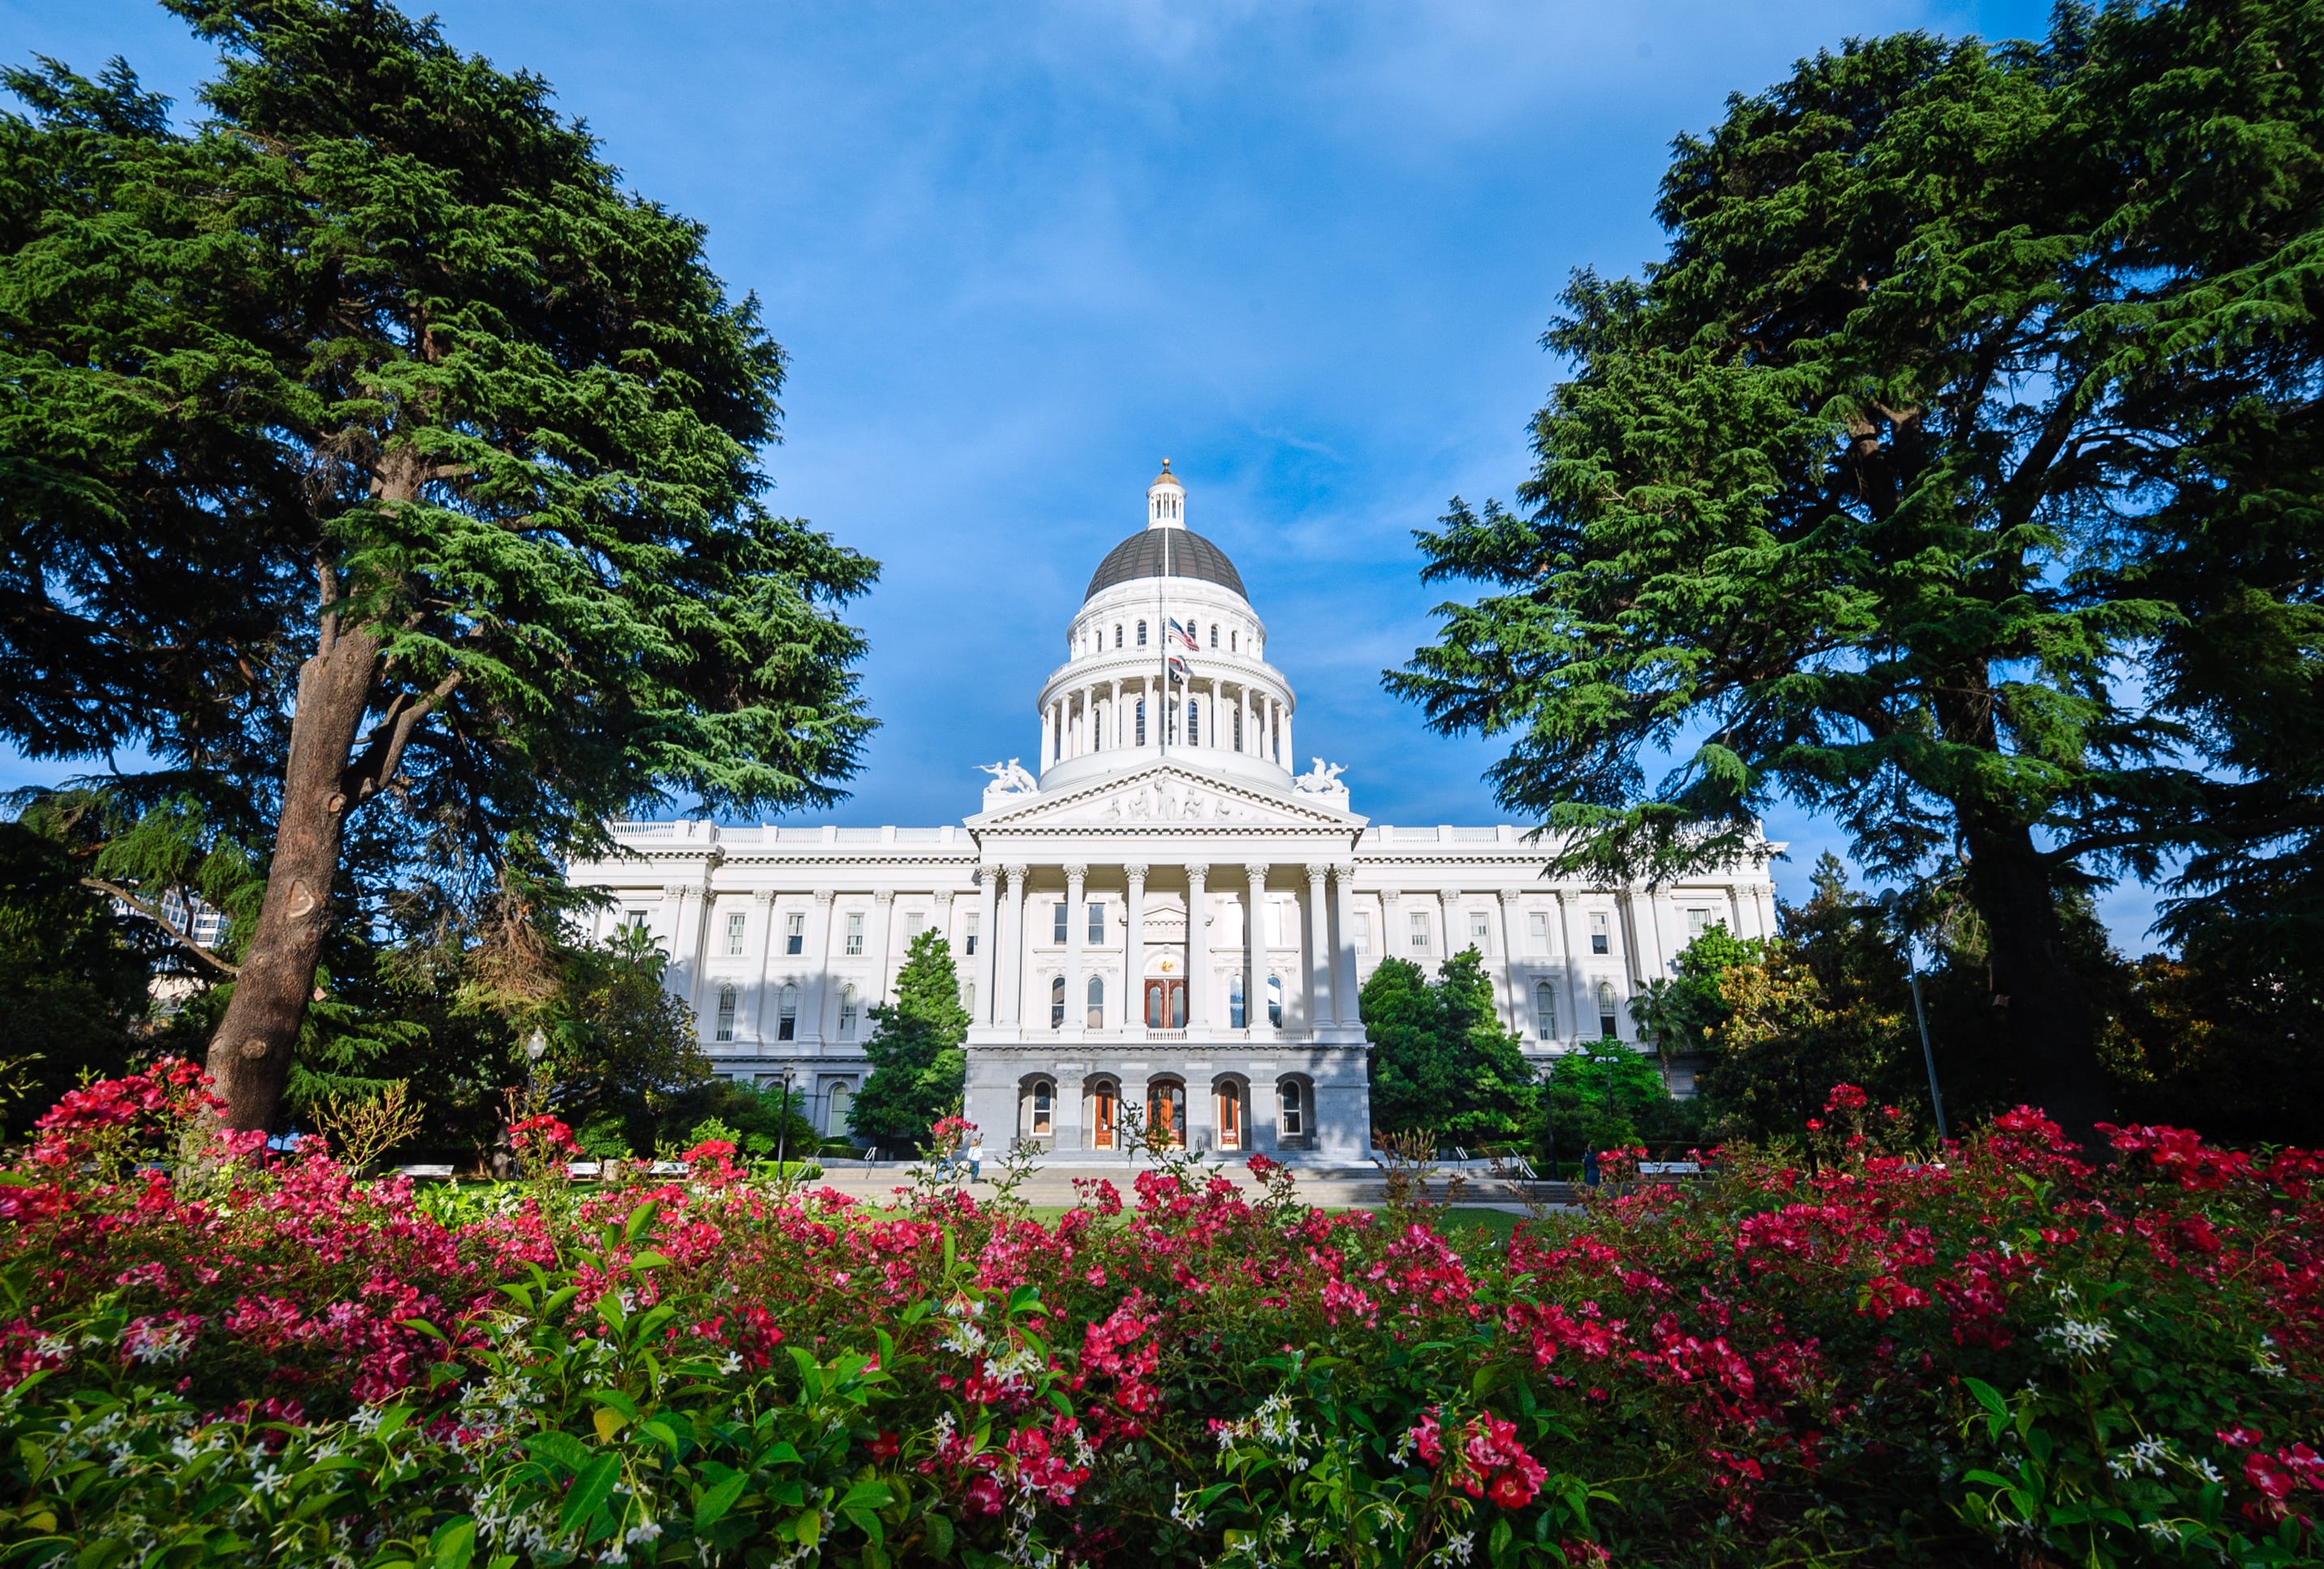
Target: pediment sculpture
1009,778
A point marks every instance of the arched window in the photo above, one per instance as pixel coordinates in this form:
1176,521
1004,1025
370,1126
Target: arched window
786,1015
1096,1018
1045,1101
1214,634
725,1012
1232,639
1141,634
1058,1002
1607,1024
1291,1114
1117,634
1274,1001
1545,1012
1235,1003
851,1005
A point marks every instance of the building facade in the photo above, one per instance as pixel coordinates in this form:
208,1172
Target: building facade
1165,919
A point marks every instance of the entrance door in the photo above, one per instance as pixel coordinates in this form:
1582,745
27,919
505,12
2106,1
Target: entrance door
1165,1112
1166,1005
1105,1108
1230,1117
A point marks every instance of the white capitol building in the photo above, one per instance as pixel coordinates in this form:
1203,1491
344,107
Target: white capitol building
1161,916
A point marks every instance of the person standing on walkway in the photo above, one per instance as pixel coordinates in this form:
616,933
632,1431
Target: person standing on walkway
975,1155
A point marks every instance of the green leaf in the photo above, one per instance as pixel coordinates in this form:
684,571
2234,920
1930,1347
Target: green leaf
590,1490
1987,1395
939,1529
716,1500
453,1544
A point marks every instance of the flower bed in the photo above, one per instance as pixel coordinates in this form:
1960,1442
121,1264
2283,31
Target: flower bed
1877,1359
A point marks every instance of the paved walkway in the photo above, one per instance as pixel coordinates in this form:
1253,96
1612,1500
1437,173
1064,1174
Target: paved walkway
1052,1185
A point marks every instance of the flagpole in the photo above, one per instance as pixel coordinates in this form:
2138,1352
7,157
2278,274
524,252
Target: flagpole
1162,635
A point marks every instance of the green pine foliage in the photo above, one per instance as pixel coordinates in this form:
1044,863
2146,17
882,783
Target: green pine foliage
1851,498
1442,1063
919,1070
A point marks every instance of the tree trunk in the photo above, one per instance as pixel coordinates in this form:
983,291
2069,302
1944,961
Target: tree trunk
2033,978
250,1055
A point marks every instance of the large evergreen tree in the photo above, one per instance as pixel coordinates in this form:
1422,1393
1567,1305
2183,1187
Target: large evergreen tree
368,449
1848,498
919,1070
1442,1063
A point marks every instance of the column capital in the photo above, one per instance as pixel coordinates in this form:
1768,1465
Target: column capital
675,890
1016,870
1135,871
1389,896
1077,873
1345,871
1257,872
883,895
1510,896
1318,870
944,896
762,895
825,896
1197,871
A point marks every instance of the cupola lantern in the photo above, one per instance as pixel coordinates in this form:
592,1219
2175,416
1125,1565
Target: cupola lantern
1166,500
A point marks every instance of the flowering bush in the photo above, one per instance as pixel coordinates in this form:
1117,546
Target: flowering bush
1878,1357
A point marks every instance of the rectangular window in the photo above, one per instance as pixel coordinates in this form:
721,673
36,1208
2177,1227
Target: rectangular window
1363,931
726,1014
1194,723
975,921
1291,1123
735,920
1480,931
795,933
1237,727
1698,922
855,932
1599,937
1545,1012
1058,925
1141,701
1420,931
634,920
914,924
1096,923
1537,928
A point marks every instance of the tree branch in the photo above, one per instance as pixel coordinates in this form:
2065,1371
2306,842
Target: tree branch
170,928
384,748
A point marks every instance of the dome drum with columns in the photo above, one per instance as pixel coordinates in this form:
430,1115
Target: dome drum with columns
1164,919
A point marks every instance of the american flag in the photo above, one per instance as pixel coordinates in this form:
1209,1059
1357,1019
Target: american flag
1182,634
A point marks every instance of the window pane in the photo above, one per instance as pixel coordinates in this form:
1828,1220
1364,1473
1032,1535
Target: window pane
1058,1002
913,924
725,1012
1274,1001
1420,930
1481,931
1095,1018
1363,933
1539,924
855,932
1545,1012
1097,923
1058,925
795,934
734,922
975,923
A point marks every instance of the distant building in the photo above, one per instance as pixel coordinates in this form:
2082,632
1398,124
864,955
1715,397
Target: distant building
1163,915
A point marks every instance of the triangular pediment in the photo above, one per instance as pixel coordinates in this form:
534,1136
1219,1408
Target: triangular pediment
1164,796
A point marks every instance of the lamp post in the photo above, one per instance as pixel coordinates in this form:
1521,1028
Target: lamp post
536,1045
783,1122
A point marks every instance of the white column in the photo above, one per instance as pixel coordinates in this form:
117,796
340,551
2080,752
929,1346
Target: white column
1290,751
1250,721
883,916
1448,916
987,943
1133,959
813,1005
1576,1008
1319,946
1198,954
1517,1018
1008,962
1345,992
1394,943
1076,1002
762,911
1267,746
1254,951
1113,712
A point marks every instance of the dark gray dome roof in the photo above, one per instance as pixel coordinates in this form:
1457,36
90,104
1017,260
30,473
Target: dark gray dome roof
1140,556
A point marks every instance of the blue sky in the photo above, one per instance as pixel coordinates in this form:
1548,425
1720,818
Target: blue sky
1019,252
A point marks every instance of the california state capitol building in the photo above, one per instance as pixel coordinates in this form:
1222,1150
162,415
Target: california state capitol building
1165,915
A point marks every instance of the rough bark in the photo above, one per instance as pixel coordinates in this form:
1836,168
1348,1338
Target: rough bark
250,1055
2033,978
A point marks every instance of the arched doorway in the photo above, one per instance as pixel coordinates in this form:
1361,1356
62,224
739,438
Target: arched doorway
1231,1114
1165,1112
1104,1114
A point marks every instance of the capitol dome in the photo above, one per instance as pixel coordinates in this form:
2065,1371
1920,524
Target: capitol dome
1177,552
